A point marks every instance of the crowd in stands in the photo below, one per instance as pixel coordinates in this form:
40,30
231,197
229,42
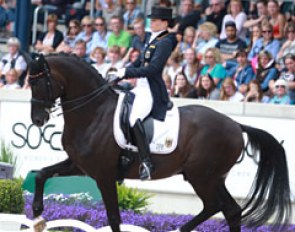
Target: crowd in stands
228,50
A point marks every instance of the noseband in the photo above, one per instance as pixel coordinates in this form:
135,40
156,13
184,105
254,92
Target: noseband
50,101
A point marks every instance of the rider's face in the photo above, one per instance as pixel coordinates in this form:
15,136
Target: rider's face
158,25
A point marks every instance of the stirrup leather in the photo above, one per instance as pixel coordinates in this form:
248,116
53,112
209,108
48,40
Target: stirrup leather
144,168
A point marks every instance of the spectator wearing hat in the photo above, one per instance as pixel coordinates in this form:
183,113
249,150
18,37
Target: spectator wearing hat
229,48
13,59
244,72
151,97
237,15
281,93
48,41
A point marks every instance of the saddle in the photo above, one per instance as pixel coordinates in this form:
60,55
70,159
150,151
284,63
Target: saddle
162,136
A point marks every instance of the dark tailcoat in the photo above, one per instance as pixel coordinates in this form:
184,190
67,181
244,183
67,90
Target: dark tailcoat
150,65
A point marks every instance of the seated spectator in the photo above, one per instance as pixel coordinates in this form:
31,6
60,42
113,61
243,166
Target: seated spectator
277,20
254,93
133,56
111,9
13,59
98,55
267,43
206,38
80,50
181,87
206,89
119,37
244,72
256,34
48,41
288,74
68,43
229,48
236,15
262,15
140,37
168,83
131,13
4,15
114,57
173,65
191,67
187,16
229,92
11,80
281,93
87,33
266,70
213,66
289,45
215,13
101,35
187,40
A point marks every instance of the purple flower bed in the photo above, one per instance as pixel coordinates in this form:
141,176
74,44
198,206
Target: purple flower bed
95,215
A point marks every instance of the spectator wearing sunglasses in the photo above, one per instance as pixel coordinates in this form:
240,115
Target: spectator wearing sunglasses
87,33
101,35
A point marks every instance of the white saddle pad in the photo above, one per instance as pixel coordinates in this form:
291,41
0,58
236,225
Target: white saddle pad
165,133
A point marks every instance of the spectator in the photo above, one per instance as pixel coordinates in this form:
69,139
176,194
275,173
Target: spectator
206,38
109,10
188,40
281,93
229,48
131,13
13,59
48,41
191,67
101,35
256,34
119,36
80,50
58,7
87,33
277,20
289,45
4,16
114,57
173,65
186,17
139,39
215,13
288,74
98,55
244,72
168,83
11,80
236,15
181,87
229,92
266,70
68,43
267,43
213,66
255,93
206,89
262,15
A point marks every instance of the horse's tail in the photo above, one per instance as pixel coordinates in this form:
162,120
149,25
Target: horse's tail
270,196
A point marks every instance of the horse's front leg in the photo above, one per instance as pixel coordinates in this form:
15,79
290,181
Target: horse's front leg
64,168
109,194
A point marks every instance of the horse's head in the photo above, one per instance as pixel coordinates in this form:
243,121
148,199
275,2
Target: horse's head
44,91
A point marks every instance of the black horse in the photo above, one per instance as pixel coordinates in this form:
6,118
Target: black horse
209,145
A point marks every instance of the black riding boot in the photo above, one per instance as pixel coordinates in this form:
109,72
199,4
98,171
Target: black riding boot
146,166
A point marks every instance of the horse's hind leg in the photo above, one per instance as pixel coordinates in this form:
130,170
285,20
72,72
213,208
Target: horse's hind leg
230,209
208,193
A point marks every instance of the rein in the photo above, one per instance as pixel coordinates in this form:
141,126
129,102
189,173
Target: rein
49,103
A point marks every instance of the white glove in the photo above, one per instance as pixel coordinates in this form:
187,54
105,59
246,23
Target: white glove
121,72
112,77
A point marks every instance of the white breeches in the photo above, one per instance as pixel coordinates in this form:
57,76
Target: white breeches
143,101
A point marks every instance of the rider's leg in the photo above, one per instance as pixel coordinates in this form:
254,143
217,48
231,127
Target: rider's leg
146,166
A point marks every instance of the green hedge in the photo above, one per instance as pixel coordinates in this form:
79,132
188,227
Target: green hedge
11,196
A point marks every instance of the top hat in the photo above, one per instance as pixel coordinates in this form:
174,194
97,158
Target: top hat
161,13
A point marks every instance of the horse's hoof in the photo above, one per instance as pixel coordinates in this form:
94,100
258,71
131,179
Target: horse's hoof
39,224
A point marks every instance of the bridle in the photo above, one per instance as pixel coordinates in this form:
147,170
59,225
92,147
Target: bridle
50,103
